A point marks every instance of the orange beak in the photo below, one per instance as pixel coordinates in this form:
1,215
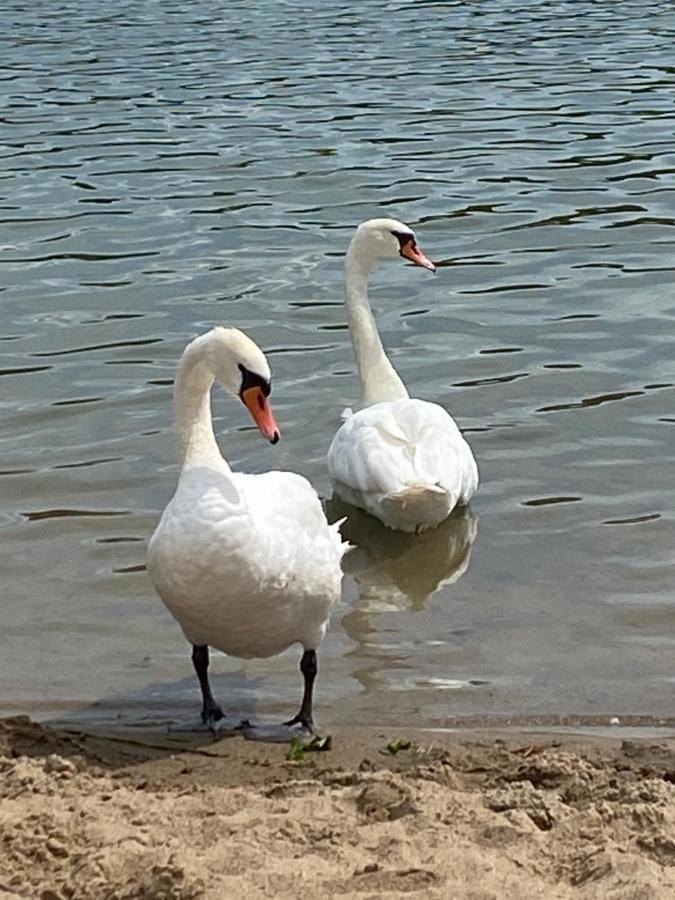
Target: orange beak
259,407
411,251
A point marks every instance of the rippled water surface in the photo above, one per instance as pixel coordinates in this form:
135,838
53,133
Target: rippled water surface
167,166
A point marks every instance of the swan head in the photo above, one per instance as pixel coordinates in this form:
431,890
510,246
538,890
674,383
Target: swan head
240,366
387,238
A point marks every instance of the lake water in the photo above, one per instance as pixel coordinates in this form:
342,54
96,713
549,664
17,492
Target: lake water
168,166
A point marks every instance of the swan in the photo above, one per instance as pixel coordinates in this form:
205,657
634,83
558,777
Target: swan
247,564
402,460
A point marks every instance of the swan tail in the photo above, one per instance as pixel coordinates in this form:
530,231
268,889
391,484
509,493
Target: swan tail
417,507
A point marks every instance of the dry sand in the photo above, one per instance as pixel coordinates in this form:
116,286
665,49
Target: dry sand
475,816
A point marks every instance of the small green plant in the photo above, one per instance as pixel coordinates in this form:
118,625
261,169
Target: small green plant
394,747
298,747
296,752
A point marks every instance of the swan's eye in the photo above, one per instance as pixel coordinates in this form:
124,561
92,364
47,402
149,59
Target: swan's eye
252,379
404,239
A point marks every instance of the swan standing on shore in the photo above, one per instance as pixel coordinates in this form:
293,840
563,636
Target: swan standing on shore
246,563
402,460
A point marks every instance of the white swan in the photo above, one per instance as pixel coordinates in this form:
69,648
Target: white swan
403,460
246,563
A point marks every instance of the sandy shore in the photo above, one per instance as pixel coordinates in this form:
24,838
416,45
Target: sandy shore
476,815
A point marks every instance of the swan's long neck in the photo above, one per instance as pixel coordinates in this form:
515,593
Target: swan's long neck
192,407
379,379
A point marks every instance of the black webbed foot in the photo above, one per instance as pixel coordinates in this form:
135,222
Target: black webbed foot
212,714
304,718
305,722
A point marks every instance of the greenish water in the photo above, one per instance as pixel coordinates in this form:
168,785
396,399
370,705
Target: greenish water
168,166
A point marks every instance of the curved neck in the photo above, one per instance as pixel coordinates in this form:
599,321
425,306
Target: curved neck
379,379
192,407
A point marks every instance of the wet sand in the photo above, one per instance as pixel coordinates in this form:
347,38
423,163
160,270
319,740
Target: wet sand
474,814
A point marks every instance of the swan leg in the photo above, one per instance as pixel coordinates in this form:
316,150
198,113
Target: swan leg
211,711
309,668
283,733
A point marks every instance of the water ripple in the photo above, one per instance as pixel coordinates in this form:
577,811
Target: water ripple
38,515
591,401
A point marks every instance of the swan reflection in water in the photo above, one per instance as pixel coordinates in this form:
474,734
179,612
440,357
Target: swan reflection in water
394,570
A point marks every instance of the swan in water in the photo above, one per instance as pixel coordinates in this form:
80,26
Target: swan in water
246,563
401,459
